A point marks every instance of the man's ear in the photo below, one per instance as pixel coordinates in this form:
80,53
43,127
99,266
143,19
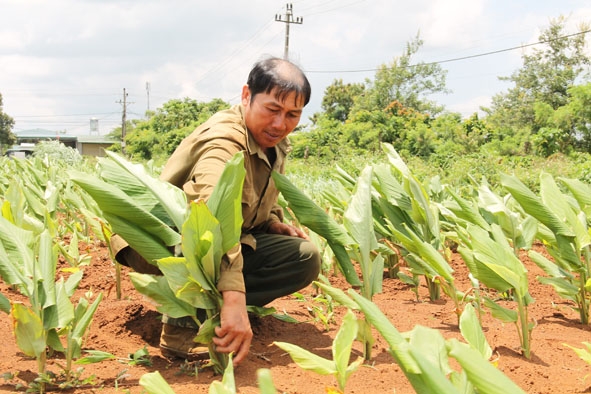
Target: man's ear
245,95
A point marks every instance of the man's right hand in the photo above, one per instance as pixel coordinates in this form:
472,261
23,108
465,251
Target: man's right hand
234,333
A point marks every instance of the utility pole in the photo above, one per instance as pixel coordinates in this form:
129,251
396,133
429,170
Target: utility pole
148,93
123,120
288,21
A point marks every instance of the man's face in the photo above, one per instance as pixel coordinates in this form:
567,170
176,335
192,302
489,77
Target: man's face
268,119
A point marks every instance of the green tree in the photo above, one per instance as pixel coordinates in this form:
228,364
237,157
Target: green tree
157,137
405,82
6,122
339,99
545,77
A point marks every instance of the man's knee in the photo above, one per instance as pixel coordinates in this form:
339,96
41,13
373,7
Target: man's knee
311,260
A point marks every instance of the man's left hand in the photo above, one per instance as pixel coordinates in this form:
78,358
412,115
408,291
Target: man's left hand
286,229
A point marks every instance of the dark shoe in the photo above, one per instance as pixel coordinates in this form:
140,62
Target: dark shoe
177,342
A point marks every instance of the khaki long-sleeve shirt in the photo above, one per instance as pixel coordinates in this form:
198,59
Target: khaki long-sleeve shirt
198,162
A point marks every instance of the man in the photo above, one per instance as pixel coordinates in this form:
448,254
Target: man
273,258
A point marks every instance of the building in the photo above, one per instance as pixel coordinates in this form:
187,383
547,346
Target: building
90,145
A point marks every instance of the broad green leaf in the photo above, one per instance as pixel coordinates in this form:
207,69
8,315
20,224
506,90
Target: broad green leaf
342,345
65,309
16,264
308,360
225,202
170,197
501,313
202,245
358,219
338,295
549,267
94,356
72,282
395,160
580,190
207,330
154,383
584,354
482,374
426,252
431,344
4,304
472,332
467,210
115,202
398,345
389,187
228,381
28,330
310,214
317,220
265,381
534,206
47,261
557,202
184,284
84,322
148,245
432,377
563,287
157,288
345,265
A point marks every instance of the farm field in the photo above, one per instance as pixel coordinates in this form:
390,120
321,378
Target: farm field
126,325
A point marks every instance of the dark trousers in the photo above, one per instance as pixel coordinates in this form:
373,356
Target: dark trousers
279,266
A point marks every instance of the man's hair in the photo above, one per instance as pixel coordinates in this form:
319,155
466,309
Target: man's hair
281,75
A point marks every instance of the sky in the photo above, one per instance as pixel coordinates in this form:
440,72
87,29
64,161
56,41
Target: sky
65,62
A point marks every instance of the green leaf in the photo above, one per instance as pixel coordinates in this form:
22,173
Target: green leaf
95,356
225,202
358,219
16,255
337,295
534,206
308,360
265,381
83,323
342,345
154,383
202,235
482,374
156,288
170,197
501,313
310,214
184,284
4,304
30,335
472,331
115,203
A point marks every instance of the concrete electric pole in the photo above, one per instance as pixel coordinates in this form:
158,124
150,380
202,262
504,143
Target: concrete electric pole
288,21
123,120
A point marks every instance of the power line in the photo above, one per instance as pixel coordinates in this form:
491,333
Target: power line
457,58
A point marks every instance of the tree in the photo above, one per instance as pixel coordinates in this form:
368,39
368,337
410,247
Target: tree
158,137
339,99
405,82
6,122
545,77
